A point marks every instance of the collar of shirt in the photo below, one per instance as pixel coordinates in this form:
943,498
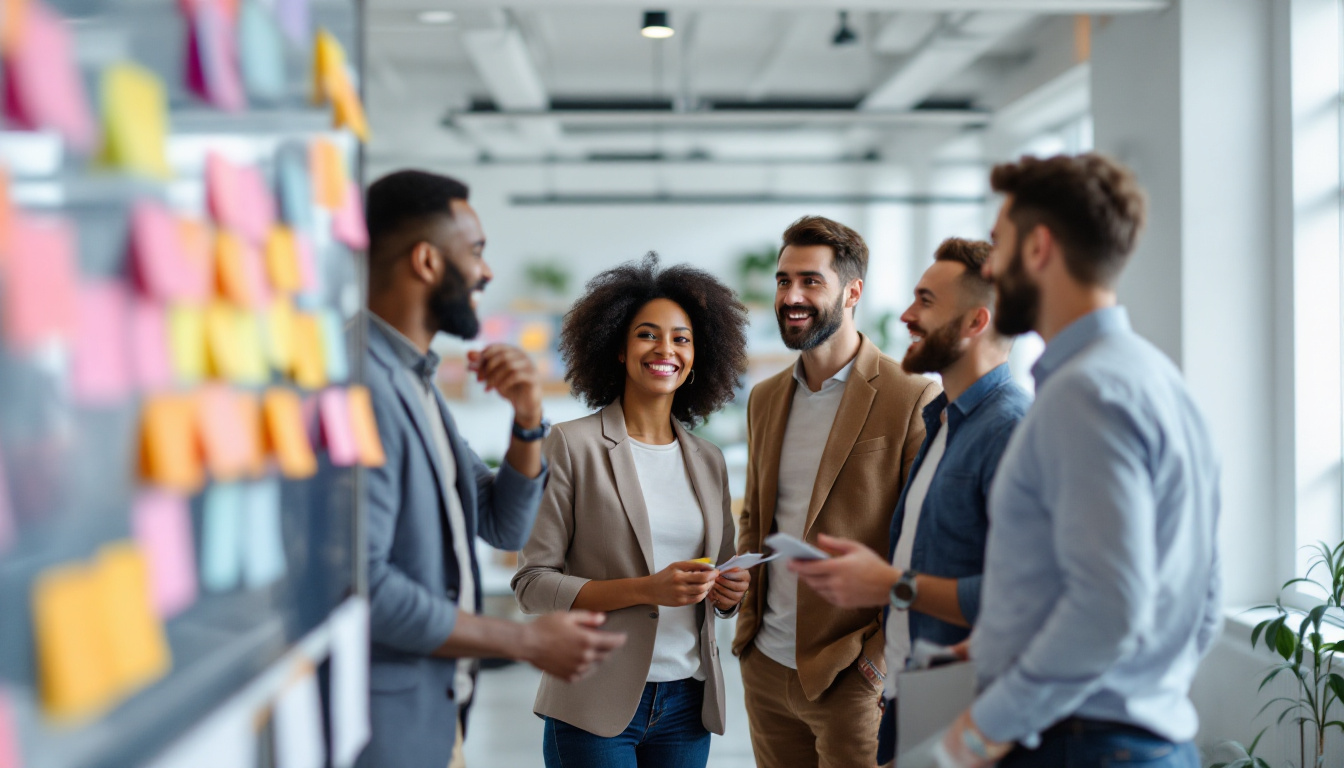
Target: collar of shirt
422,365
1076,337
961,409
840,376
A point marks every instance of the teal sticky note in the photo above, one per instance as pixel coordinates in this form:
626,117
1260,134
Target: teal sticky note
222,538
261,52
264,561
333,347
295,186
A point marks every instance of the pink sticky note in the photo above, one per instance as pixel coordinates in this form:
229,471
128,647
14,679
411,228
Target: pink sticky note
307,263
347,224
102,371
163,268
161,523
39,289
337,431
239,198
150,361
6,534
43,88
212,58
10,755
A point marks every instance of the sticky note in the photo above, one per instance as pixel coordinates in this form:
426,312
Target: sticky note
365,427
170,454
137,646
151,365
7,530
282,260
196,276
310,368
251,353
161,524
286,436
337,432
347,224
294,186
310,280
261,51
6,215
348,110
279,334
298,725
234,344
42,82
166,254
135,121
101,369
75,675
330,182
10,756
238,198
212,60
263,543
331,84
334,346
230,433
222,537
187,340
294,20
240,271
349,682
39,285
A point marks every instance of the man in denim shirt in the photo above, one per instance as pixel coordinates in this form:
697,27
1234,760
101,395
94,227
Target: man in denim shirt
932,574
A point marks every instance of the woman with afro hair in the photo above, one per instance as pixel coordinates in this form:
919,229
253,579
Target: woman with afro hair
635,515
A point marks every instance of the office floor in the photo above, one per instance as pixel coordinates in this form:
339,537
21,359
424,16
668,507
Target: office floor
505,733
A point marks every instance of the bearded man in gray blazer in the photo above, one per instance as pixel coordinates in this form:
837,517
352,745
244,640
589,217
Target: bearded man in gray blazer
431,499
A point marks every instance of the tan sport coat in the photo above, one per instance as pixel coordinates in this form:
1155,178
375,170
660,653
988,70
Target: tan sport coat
876,434
593,525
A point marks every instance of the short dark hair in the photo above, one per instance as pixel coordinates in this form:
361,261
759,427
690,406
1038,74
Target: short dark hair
851,253
971,254
402,204
1092,204
594,334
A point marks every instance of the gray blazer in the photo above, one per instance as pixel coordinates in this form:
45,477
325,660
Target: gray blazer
413,572
593,525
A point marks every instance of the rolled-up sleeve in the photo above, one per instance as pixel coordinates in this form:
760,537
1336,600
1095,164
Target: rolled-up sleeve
541,584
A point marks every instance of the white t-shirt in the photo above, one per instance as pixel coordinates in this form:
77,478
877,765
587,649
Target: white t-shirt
678,528
898,622
811,416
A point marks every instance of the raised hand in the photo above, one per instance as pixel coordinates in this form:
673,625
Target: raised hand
568,644
510,372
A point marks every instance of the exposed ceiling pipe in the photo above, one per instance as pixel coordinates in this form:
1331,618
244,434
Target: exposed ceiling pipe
724,119
502,60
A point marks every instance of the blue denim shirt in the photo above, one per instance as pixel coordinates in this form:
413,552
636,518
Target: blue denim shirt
953,526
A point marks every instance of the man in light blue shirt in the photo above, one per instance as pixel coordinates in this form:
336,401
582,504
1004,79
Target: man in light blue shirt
1101,587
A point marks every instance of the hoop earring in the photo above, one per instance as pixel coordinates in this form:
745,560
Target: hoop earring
691,380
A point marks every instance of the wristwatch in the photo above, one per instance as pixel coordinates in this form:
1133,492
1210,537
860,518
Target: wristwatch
532,435
904,591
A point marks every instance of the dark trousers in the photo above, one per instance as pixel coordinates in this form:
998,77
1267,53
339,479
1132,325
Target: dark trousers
666,732
1081,743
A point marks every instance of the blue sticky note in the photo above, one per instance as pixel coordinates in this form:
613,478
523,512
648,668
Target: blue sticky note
264,561
261,53
222,537
333,347
295,186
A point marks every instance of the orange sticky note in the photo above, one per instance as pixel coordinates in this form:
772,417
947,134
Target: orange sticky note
286,437
310,368
240,271
39,286
330,182
170,448
348,110
229,433
365,427
75,675
136,645
331,83
282,260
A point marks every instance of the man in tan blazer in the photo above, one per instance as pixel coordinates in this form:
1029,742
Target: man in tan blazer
831,441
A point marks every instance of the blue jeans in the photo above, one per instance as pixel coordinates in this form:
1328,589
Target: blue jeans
666,732
1078,743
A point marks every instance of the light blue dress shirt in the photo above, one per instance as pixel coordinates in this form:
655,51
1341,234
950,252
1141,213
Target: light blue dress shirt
1101,587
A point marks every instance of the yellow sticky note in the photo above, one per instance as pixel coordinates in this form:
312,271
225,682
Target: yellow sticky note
251,358
170,446
186,333
135,121
328,65
279,336
75,676
286,437
282,260
136,646
310,369
348,111
365,427
222,343
330,183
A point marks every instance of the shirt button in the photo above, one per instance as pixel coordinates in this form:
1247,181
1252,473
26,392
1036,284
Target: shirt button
653,614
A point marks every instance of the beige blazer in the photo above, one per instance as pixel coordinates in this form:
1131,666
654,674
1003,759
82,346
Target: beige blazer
876,434
593,525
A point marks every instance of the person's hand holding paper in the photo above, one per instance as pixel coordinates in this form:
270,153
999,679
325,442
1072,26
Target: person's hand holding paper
855,577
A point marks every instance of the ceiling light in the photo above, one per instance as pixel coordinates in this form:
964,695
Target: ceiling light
656,26
844,35
437,17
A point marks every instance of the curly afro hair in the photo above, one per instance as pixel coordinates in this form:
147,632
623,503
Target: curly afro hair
595,328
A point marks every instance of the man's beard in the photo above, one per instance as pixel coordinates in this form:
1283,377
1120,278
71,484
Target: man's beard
938,351
1019,299
825,323
450,305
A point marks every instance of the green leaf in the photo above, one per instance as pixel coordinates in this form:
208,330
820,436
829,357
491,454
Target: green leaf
1255,633
1285,641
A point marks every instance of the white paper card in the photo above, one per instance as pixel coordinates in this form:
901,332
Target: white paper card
930,700
793,548
349,682
749,560
226,739
298,725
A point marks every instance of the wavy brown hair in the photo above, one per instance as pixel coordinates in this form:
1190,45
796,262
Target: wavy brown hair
595,330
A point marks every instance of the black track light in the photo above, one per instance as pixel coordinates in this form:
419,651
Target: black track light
844,35
656,26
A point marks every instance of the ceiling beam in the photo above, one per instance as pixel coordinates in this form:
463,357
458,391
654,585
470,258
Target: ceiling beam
738,120
1028,6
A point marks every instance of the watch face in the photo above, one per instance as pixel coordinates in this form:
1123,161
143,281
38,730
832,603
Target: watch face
904,592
